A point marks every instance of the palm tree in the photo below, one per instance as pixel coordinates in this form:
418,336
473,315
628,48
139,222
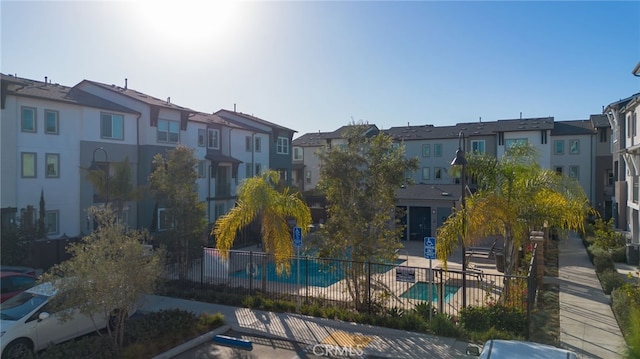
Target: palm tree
262,198
514,197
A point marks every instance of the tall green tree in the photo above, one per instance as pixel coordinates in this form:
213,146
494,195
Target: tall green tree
108,273
173,184
264,199
514,197
360,181
41,229
119,185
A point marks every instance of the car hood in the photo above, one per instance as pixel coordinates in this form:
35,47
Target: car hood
5,325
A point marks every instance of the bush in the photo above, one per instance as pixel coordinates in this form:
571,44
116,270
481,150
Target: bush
500,317
622,300
442,324
603,261
619,254
610,280
93,346
595,251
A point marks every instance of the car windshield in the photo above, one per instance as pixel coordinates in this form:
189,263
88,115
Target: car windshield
21,305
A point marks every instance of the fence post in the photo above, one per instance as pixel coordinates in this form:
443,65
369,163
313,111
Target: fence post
306,280
202,267
441,293
250,273
369,286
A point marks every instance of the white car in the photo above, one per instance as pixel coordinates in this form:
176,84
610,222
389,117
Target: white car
30,321
514,349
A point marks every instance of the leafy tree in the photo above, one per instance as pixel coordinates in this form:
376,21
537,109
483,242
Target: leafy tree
120,184
108,273
360,182
273,205
173,184
514,197
41,229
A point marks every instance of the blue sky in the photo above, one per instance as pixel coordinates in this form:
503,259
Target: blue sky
315,66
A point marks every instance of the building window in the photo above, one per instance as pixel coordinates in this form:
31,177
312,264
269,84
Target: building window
28,119
426,173
52,165
168,131
213,140
219,210
164,220
604,134
248,170
543,137
574,147
28,164
515,142
500,138
308,177
636,188
477,147
283,146
202,165
426,150
558,147
634,124
437,150
258,171
51,222
112,126
201,136
51,122
574,172
247,144
558,170
258,146
610,179
437,173
297,154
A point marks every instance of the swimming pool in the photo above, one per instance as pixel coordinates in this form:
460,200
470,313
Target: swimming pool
420,291
312,273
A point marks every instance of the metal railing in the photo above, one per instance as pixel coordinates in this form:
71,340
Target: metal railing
363,286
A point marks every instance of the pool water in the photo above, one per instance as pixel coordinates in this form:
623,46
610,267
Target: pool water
420,291
312,273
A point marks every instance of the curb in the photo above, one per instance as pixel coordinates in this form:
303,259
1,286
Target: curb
192,343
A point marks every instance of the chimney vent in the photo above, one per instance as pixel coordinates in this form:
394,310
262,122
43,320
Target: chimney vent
125,84
234,107
168,100
45,80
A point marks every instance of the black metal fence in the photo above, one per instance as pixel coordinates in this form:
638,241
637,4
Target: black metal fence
355,285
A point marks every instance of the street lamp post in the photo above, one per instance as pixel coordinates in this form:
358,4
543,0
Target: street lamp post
94,167
459,160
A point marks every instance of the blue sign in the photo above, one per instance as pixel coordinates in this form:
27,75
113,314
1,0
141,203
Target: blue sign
297,236
430,247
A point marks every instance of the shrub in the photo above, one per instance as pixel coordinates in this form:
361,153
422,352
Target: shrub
93,346
500,317
633,335
442,324
594,250
610,280
622,300
602,262
619,254
493,333
423,309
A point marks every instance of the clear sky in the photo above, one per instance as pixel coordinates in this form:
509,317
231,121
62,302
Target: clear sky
315,66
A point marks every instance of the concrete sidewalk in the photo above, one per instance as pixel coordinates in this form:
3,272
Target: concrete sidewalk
378,342
587,323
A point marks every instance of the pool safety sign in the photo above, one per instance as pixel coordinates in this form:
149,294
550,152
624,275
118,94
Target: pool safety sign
429,247
405,274
297,236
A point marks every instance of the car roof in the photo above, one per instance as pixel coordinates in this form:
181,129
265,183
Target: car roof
514,349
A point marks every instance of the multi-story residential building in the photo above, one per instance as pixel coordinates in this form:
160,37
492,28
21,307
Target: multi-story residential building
49,134
603,180
52,134
570,147
276,146
623,118
306,163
